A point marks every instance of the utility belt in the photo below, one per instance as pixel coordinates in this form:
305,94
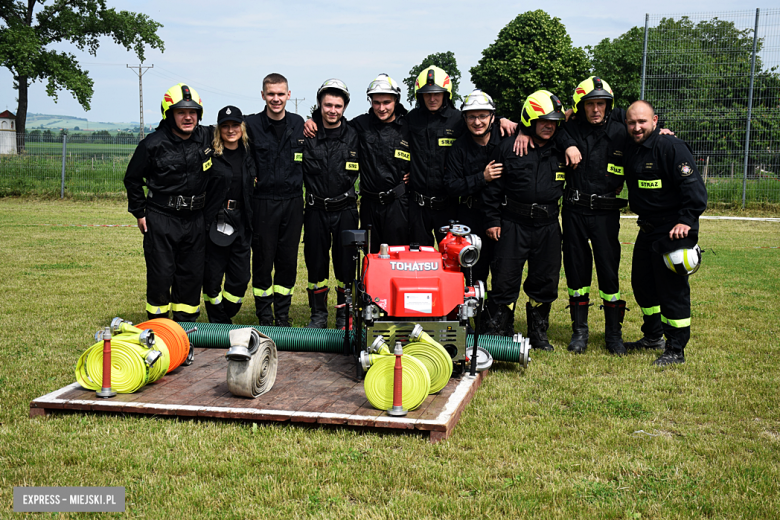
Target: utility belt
593,201
338,203
472,202
649,225
231,204
385,197
513,209
434,203
179,202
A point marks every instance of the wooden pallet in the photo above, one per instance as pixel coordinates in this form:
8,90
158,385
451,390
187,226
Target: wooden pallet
310,388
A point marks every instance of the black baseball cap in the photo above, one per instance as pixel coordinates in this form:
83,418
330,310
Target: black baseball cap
230,113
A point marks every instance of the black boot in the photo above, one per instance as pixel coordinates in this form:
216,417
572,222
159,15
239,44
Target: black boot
646,343
341,309
282,309
614,312
671,356
578,307
538,319
263,310
318,302
500,321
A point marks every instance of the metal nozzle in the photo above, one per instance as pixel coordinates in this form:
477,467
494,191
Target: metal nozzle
416,331
384,251
146,337
377,344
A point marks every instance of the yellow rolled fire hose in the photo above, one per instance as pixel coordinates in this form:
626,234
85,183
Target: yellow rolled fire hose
129,369
436,360
379,382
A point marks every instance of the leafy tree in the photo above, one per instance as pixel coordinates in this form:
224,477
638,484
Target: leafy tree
619,63
532,52
445,61
26,32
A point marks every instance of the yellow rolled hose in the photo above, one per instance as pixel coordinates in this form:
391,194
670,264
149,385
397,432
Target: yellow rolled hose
436,360
129,371
379,382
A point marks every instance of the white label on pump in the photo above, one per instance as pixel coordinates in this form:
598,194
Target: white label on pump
419,302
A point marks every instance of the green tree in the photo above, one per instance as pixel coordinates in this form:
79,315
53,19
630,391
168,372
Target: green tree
532,52
619,63
445,61
28,28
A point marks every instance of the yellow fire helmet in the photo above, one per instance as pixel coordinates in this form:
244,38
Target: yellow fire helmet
542,104
181,96
432,80
593,88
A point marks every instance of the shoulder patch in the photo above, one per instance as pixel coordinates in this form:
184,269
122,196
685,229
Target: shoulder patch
685,169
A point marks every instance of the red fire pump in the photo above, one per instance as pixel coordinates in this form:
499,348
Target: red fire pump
402,286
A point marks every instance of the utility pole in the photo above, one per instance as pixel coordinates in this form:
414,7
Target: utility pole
140,74
296,100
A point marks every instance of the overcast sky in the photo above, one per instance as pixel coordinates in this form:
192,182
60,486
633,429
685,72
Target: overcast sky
224,49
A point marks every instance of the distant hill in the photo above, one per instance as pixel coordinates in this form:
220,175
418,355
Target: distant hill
78,124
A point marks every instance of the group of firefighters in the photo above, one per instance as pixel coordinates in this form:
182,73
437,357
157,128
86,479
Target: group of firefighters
218,196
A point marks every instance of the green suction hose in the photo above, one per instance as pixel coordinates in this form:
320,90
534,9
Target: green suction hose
299,339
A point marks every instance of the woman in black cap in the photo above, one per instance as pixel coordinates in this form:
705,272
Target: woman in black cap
228,246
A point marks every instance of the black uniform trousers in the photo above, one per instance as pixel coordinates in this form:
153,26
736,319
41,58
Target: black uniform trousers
474,218
423,220
389,222
276,234
321,229
232,262
174,250
663,296
602,231
540,246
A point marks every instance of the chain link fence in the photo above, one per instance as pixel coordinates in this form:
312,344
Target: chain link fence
713,79
79,165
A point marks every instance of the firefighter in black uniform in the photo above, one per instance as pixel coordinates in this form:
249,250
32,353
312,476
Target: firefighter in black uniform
276,139
470,169
228,247
174,163
384,164
667,193
330,169
521,214
434,126
591,210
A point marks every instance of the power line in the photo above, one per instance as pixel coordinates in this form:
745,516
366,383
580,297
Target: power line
140,74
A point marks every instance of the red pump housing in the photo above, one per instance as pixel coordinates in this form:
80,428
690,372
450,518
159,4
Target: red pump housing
414,283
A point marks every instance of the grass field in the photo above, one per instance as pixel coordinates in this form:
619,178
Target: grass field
589,436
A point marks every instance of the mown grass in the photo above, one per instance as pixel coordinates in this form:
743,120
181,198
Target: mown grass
589,436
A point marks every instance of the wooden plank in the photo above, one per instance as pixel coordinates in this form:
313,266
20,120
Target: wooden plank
310,388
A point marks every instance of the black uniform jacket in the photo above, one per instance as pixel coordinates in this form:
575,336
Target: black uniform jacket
331,166
432,137
465,172
601,171
169,166
663,182
219,187
384,150
279,172
537,177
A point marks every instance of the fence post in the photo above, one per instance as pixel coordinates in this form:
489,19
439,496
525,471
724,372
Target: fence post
750,110
64,152
644,60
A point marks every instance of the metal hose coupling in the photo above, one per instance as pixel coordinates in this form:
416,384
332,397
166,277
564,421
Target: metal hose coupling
243,344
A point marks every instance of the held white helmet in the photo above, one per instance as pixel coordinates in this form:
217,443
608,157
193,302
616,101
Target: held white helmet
683,261
384,84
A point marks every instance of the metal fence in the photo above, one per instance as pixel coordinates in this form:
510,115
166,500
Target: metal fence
78,165
713,78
